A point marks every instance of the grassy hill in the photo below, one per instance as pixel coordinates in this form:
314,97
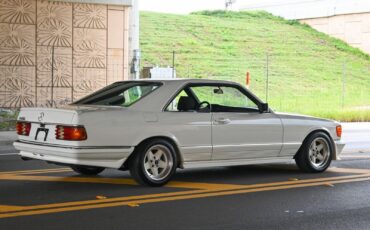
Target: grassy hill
309,72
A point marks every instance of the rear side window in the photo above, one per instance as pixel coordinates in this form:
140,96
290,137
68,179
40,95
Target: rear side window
173,106
120,94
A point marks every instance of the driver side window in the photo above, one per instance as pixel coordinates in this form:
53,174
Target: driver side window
225,98
206,98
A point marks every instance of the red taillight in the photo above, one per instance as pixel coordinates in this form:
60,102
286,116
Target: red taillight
23,128
339,130
70,133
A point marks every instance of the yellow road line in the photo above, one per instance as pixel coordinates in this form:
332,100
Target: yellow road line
89,202
9,208
123,181
36,171
349,170
202,186
173,198
44,172
206,186
57,170
175,184
201,189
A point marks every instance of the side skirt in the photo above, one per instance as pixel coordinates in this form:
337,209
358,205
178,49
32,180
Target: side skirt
235,162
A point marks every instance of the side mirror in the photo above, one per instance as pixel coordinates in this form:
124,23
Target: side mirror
218,91
264,108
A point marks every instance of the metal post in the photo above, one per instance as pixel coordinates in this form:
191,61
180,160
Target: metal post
344,83
52,76
173,64
188,71
136,64
267,77
134,44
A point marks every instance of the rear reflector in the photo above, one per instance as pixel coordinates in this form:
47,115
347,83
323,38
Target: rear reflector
339,130
23,128
70,133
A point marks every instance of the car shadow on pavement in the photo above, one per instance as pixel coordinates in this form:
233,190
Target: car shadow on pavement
248,174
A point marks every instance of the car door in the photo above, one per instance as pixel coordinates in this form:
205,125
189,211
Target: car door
191,128
239,130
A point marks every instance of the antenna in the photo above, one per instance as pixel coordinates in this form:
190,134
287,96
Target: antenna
229,4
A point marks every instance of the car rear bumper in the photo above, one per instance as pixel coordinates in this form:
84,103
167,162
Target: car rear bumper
108,157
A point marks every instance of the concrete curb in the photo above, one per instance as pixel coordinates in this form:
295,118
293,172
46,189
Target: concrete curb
7,138
6,142
354,151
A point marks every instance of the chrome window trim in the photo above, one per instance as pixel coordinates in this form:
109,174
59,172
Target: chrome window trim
158,83
243,90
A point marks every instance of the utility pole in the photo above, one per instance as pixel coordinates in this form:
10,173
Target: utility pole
173,64
344,73
135,54
267,77
52,76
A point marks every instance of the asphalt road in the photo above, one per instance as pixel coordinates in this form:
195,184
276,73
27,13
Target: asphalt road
36,195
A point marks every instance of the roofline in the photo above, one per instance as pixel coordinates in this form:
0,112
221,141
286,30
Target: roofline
171,87
184,80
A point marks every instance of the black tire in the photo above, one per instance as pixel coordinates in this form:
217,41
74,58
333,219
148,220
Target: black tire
140,158
87,170
306,161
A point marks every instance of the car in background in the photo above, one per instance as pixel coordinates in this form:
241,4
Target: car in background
153,127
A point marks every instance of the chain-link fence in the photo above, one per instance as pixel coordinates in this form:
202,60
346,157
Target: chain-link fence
334,88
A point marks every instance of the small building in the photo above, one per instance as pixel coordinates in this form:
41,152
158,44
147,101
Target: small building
53,52
343,19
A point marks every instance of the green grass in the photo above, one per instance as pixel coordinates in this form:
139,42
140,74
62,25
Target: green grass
306,67
7,120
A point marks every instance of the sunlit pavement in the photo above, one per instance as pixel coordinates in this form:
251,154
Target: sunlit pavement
36,195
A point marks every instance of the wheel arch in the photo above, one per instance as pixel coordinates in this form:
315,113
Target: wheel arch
316,131
171,140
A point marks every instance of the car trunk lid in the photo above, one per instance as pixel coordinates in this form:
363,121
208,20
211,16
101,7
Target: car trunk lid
44,121
47,115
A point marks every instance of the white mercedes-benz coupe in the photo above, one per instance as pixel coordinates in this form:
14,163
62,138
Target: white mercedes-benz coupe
153,127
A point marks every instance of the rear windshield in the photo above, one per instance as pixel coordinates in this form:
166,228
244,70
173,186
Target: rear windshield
119,94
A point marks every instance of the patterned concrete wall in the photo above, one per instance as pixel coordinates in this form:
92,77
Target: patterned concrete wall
351,28
90,44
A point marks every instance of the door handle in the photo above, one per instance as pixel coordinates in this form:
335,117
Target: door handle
222,121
